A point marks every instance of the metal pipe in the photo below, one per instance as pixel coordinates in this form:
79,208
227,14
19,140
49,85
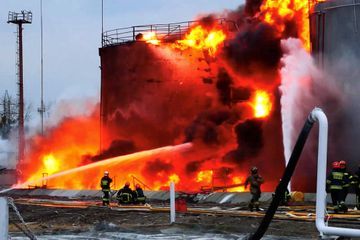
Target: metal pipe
102,23
42,107
318,115
21,150
4,218
355,19
172,202
323,18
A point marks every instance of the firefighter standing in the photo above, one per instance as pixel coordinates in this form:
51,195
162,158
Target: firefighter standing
347,179
356,183
334,184
105,187
125,195
255,181
139,195
286,198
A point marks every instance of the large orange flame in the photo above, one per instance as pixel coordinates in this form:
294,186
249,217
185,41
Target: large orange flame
202,39
261,104
204,176
151,37
279,12
238,180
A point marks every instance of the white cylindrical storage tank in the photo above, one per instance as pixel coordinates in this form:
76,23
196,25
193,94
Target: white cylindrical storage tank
335,45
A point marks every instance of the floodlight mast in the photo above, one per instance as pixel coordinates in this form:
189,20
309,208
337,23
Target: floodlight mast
24,17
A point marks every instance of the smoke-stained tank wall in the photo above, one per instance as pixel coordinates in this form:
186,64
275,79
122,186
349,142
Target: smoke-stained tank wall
152,97
335,38
144,97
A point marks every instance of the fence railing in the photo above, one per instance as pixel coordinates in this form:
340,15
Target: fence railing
164,32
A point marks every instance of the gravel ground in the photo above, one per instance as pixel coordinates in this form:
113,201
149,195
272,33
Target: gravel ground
49,220
95,222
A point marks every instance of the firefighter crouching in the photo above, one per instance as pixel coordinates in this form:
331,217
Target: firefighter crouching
125,195
255,181
139,195
105,187
335,184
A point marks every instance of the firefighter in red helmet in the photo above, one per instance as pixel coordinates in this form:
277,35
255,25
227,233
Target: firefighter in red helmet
139,193
355,181
347,179
255,181
125,195
334,184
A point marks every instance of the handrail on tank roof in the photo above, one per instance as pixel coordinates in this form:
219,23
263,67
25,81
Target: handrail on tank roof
173,31
338,6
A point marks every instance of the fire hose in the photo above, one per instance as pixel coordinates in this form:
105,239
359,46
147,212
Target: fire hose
282,186
25,228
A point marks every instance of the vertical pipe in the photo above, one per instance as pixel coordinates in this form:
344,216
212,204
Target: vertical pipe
101,117
318,115
323,41
102,23
318,32
101,79
172,202
21,99
42,109
355,18
4,218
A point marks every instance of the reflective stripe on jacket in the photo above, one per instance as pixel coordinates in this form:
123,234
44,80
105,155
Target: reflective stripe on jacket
125,197
335,180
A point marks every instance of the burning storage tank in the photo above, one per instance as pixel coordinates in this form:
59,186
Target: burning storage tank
173,83
212,84
335,45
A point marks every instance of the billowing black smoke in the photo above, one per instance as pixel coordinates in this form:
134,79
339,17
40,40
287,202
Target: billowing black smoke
250,141
252,7
116,148
157,167
194,166
223,85
205,126
255,48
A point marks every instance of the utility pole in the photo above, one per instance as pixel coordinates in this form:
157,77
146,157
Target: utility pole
24,17
41,109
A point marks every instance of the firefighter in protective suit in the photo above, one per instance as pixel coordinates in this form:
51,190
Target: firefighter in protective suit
334,183
125,195
105,187
355,182
139,193
255,181
347,179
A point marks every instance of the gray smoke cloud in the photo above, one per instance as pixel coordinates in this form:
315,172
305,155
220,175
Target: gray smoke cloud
333,88
7,153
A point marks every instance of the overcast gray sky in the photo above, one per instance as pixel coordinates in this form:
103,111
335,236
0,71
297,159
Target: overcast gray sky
72,30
